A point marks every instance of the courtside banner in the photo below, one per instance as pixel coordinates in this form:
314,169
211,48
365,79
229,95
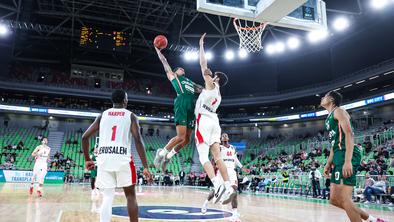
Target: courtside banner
25,176
2,178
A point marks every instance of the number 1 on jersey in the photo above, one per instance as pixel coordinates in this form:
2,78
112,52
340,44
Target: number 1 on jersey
113,133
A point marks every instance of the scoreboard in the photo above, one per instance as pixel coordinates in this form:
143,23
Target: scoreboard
96,38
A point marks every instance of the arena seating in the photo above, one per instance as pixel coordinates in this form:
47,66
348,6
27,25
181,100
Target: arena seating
12,137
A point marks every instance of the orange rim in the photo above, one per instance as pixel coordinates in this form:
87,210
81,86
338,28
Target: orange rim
261,26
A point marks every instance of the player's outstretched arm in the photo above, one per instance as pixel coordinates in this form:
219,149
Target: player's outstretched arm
93,128
344,122
139,144
167,67
206,73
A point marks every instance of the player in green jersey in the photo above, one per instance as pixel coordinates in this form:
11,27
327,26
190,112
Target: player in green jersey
184,116
344,158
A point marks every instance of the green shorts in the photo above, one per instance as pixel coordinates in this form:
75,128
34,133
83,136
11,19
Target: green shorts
338,161
184,111
93,173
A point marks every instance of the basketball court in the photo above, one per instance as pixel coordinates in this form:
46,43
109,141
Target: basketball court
72,203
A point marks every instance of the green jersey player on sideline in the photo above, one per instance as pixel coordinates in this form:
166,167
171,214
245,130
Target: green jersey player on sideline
183,111
344,158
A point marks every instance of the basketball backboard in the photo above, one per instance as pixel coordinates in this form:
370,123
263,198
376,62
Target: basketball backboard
306,15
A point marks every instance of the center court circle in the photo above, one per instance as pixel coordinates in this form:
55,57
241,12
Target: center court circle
174,213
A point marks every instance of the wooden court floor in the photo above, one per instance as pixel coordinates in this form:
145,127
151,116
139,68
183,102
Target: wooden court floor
72,203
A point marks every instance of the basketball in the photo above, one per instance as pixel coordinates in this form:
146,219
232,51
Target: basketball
160,42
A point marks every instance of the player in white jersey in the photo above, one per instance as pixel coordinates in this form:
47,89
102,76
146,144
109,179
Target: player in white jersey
115,165
208,129
229,155
41,155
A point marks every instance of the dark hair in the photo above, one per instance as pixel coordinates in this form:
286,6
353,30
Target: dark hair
118,96
336,96
176,69
44,137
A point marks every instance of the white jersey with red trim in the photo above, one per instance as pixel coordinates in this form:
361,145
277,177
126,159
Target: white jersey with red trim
208,101
229,156
42,155
114,150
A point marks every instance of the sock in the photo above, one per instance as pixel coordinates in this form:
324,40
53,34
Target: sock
371,219
163,152
235,211
171,154
216,182
106,206
205,203
227,184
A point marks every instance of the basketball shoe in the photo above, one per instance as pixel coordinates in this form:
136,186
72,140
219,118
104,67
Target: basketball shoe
228,196
158,159
219,192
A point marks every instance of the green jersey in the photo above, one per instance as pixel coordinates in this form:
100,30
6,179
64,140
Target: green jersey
337,140
183,86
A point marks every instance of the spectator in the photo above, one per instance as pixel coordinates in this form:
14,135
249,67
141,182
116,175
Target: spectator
182,177
377,188
6,121
314,176
326,190
372,171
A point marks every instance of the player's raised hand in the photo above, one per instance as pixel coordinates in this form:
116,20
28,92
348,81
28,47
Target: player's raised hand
147,175
202,39
89,164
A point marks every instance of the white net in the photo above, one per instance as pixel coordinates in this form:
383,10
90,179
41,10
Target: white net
249,34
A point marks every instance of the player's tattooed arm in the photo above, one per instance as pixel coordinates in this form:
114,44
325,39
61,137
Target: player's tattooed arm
93,128
167,67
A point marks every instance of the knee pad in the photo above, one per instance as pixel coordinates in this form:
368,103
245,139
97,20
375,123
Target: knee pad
203,152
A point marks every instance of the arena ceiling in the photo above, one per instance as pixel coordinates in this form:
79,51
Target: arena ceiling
48,31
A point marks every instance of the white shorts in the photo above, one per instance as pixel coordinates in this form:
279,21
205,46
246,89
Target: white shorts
124,177
39,172
207,129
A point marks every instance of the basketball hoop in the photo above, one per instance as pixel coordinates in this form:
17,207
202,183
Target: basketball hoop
249,34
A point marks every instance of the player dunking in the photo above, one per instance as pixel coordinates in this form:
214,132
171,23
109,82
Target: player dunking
229,156
183,112
344,158
208,129
115,166
41,154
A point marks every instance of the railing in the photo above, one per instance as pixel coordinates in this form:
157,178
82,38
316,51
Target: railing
376,139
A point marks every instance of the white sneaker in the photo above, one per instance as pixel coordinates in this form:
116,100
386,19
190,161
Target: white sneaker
235,218
158,159
219,193
204,209
228,196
